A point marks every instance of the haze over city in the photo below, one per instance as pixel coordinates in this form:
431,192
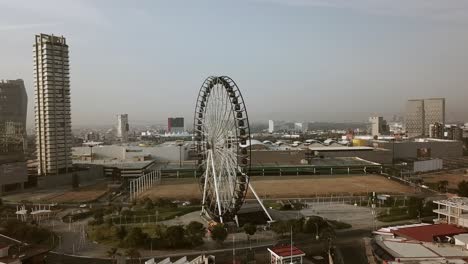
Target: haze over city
300,60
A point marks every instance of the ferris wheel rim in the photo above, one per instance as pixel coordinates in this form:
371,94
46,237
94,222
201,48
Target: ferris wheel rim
215,145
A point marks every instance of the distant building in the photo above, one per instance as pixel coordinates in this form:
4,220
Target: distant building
92,136
13,105
452,211
421,113
271,126
122,127
441,131
175,125
378,126
52,104
453,132
299,127
436,130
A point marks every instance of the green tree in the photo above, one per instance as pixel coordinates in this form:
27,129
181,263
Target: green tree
121,232
219,233
113,253
280,227
133,254
195,231
463,188
442,185
136,238
149,205
175,236
98,217
250,229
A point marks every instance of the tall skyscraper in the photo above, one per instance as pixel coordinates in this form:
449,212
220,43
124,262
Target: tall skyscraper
52,104
414,118
271,126
434,112
378,126
13,110
421,113
175,125
122,127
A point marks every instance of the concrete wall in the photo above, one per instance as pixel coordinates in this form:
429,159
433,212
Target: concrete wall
294,157
438,149
94,173
378,156
163,152
15,172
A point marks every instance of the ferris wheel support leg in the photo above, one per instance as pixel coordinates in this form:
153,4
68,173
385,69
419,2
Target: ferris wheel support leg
204,192
260,201
216,186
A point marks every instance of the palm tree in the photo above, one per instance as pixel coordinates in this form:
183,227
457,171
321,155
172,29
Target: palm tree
112,253
132,253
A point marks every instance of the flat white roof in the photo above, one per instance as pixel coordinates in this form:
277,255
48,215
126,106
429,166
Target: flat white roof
447,250
341,148
409,250
462,237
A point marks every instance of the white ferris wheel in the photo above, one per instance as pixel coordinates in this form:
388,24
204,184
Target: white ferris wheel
222,139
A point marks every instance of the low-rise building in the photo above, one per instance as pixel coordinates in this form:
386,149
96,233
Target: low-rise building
452,211
286,254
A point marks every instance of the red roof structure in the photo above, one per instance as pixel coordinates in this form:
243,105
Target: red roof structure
428,233
285,251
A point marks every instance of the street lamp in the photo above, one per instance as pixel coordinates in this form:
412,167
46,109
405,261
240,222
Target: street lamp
180,143
316,232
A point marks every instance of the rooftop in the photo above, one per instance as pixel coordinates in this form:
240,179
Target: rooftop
286,250
427,233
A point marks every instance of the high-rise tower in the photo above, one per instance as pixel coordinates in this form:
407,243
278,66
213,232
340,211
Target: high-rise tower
122,127
52,104
13,106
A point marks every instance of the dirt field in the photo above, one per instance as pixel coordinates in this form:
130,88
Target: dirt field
289,187
82,195
453,177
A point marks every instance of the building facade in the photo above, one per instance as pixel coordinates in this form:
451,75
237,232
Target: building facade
175,125
414,118
122,127
52,104
271,126
434,112
436,130
421,113
378,126
13,108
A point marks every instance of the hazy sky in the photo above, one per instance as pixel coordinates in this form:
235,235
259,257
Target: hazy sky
293,59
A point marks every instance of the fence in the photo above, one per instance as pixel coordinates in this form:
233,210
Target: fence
143,183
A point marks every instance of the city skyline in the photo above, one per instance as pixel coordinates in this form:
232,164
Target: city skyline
393,52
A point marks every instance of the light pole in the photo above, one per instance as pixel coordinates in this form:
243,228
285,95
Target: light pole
180,143
316,232
91,152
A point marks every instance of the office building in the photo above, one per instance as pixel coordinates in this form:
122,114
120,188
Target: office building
436,130
452,211
13,107
434,112
421,113
453,132
52,105
378,126
414,121
271,126
175,125
122,127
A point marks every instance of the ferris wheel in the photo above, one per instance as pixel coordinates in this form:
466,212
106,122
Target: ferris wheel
222,139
